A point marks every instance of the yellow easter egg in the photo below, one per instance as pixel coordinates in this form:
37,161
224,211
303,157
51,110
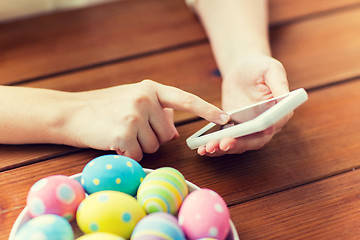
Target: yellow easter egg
100,235
110,212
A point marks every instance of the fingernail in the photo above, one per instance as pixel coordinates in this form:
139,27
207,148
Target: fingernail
200,153
224,118
213,151
227,148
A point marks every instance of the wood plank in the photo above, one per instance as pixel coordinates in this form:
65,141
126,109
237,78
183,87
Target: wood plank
60,42
67,40
320,50
317,143
310,61
322,139
13,156
283,11
304,70
327,209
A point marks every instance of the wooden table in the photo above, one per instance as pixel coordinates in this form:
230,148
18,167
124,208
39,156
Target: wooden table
305,184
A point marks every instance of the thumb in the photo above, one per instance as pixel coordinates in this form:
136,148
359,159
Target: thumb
276,79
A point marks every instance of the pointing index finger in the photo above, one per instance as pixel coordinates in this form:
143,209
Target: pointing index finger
175,98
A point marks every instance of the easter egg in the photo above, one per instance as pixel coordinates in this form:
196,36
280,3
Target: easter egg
112,172
162,190
100,236
204,214
158,226
111,212
56,194
49,226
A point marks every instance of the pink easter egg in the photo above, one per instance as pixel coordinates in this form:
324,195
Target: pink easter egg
56,194
204,214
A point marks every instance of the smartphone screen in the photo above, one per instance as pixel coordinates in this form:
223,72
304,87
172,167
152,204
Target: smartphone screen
245,115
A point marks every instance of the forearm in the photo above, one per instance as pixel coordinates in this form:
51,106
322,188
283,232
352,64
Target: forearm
29,115
235,28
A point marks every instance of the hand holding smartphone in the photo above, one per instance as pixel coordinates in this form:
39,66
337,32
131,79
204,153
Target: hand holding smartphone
250,119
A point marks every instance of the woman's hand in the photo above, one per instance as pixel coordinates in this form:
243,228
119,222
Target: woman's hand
132,119
252,79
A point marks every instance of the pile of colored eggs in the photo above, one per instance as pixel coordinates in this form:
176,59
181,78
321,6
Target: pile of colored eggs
124,203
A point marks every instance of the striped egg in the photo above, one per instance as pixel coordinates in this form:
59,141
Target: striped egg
162,190
158,226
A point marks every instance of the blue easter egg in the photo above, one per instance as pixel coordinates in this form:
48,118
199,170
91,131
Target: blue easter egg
158,226
112,172
49,226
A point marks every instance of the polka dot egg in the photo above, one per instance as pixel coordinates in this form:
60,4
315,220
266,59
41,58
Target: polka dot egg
49,226
158,226
112,172
56,194
100,236
111,212
204,214
162,190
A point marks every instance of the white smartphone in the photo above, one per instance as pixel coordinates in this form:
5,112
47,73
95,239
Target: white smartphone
250,119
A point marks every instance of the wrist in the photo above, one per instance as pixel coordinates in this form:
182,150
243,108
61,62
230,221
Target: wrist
67,125
242,60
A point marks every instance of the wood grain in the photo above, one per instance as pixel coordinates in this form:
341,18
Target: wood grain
64,42
321,50
327,209
12,156
319,141
175,70
69,40
284,11
298,155
309,59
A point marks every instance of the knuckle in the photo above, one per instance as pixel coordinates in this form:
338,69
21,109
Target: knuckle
147,82
151,149
167,138
137,155
142,99
187,101
132,120
119,139
169,132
